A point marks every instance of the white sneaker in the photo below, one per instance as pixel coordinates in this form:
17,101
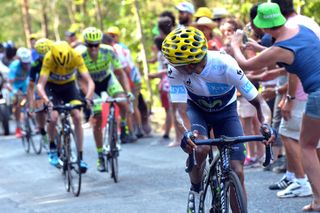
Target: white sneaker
296,190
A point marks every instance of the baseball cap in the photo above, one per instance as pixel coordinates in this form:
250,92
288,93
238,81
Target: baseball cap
204,21
269,16
69,33
185,7
220,13
203,12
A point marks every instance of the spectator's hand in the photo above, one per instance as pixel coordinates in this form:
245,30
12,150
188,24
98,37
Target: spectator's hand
187,141
286,109
254,46
268,94
236,41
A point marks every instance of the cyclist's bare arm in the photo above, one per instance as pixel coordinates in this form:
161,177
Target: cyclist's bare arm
85,77
183,120
41,88
263,110
124,81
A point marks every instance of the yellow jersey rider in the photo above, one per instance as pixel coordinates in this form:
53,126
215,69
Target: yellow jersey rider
57,80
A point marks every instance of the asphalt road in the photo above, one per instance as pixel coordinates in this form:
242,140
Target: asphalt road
152,180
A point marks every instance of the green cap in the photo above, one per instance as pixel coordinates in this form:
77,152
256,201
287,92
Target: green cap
269,16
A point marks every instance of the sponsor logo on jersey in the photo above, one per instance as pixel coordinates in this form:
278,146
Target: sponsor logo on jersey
177,89
169,73
59,77
247,87
218,88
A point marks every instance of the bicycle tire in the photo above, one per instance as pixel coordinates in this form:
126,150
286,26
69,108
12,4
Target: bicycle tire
25,136
74,169
233,182
64,156
114,151
37,142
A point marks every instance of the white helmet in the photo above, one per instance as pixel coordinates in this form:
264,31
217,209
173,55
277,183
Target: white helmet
24,55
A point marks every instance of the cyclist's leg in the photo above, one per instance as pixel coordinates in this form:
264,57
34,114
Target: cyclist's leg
115,89
40,117
16,109
198,122
136,113
196,194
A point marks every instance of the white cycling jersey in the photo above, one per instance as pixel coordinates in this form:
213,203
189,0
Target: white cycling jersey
215,87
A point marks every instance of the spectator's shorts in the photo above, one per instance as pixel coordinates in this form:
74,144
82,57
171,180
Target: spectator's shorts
291,128
313,105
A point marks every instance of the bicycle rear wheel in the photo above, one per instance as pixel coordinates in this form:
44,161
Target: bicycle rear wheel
233,195
74,166
35,137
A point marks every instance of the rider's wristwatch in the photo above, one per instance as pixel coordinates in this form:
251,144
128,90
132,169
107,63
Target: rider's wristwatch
290,98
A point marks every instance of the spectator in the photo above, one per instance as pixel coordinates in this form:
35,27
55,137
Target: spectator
186,11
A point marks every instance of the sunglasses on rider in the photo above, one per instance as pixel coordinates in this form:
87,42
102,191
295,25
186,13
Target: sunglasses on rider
92,45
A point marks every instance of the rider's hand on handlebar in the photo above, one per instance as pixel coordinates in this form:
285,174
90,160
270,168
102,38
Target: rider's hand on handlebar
130,96
187,141
269,133
89,102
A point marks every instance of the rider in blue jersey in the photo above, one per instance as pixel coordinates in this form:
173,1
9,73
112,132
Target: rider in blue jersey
19,80
203,87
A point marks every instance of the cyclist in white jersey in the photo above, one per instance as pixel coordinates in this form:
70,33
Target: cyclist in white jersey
203,87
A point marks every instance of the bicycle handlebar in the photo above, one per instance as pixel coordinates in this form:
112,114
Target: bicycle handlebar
63,108
223,141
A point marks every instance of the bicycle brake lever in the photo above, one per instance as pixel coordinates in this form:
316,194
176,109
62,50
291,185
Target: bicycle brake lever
269,156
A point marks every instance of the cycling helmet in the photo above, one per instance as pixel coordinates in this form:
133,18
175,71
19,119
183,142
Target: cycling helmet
43,45
92,35
185,46
24,55
61,53
113,30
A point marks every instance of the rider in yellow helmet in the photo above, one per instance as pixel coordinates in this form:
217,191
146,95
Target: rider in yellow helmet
104,65
57,80
203,86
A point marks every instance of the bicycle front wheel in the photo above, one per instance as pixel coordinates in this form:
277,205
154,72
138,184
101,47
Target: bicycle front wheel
234,200
74,166
113,140
26,136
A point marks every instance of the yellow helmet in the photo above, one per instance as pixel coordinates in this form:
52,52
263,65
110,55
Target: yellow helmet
113,30
185,46
92,35
61,53
43,45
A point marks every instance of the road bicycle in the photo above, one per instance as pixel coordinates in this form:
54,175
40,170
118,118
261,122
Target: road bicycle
30,132
111,139
68,150
223,191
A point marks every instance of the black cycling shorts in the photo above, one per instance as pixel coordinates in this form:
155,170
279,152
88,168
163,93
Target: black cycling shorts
225,122
62,93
